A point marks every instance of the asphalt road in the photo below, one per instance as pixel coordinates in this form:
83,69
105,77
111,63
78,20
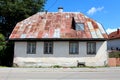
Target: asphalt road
59,74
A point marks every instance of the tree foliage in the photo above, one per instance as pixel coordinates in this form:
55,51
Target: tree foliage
13,11
2,44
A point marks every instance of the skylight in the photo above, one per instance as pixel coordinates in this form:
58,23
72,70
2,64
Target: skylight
79,26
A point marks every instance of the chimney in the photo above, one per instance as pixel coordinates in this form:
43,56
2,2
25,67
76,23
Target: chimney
60,9
118,31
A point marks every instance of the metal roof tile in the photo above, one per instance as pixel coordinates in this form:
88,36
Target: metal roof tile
57,25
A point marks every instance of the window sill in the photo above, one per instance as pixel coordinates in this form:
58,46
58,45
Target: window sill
73,53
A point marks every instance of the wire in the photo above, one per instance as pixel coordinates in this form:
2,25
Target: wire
52,5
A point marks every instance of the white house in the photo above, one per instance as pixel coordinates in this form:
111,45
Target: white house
114,40
59,38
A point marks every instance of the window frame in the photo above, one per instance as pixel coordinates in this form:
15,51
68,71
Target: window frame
31,47
48,47
81,26
93,45
77,51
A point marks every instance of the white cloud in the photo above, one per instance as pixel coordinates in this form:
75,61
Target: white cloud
110,30
94,10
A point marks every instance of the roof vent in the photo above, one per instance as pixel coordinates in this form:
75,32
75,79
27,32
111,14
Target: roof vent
60,9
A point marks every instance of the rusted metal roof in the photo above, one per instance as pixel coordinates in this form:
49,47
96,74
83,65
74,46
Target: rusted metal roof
115,34
57,25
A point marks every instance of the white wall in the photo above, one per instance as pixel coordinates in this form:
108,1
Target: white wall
114,43
60,55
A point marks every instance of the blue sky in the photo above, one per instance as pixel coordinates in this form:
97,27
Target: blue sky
106,12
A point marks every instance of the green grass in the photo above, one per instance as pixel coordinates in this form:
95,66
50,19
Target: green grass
2,66
56,66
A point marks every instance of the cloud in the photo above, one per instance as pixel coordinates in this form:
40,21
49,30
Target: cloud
110,30
94,10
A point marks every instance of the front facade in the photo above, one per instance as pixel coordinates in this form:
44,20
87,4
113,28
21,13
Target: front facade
60,53
59,38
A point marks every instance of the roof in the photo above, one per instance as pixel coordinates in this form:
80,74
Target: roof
60,25
115,34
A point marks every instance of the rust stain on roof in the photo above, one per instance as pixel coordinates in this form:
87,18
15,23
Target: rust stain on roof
57,25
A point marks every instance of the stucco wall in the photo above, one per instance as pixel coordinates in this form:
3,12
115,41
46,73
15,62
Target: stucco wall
60,55
115,43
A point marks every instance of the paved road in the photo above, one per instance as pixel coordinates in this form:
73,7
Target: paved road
59,74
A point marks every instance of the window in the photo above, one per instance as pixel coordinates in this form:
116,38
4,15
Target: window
73,47
91,48
31,47
48,47
79,26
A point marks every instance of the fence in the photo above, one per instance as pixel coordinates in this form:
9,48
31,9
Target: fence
113,62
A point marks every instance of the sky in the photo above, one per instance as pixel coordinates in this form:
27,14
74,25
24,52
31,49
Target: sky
106,12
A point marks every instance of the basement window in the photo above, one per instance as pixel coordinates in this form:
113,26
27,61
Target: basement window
79,26
31,47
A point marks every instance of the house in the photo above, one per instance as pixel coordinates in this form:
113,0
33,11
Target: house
59,38
114,40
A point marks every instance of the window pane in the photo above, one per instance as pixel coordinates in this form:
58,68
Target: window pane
73,47
28,47
33,48
50,50
46,49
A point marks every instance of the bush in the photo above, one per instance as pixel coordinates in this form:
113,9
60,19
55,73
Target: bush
114,54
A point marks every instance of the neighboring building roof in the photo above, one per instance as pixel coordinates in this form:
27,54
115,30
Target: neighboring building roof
115,34
60,25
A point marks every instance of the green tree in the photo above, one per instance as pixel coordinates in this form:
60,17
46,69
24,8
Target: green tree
2,46
13,11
